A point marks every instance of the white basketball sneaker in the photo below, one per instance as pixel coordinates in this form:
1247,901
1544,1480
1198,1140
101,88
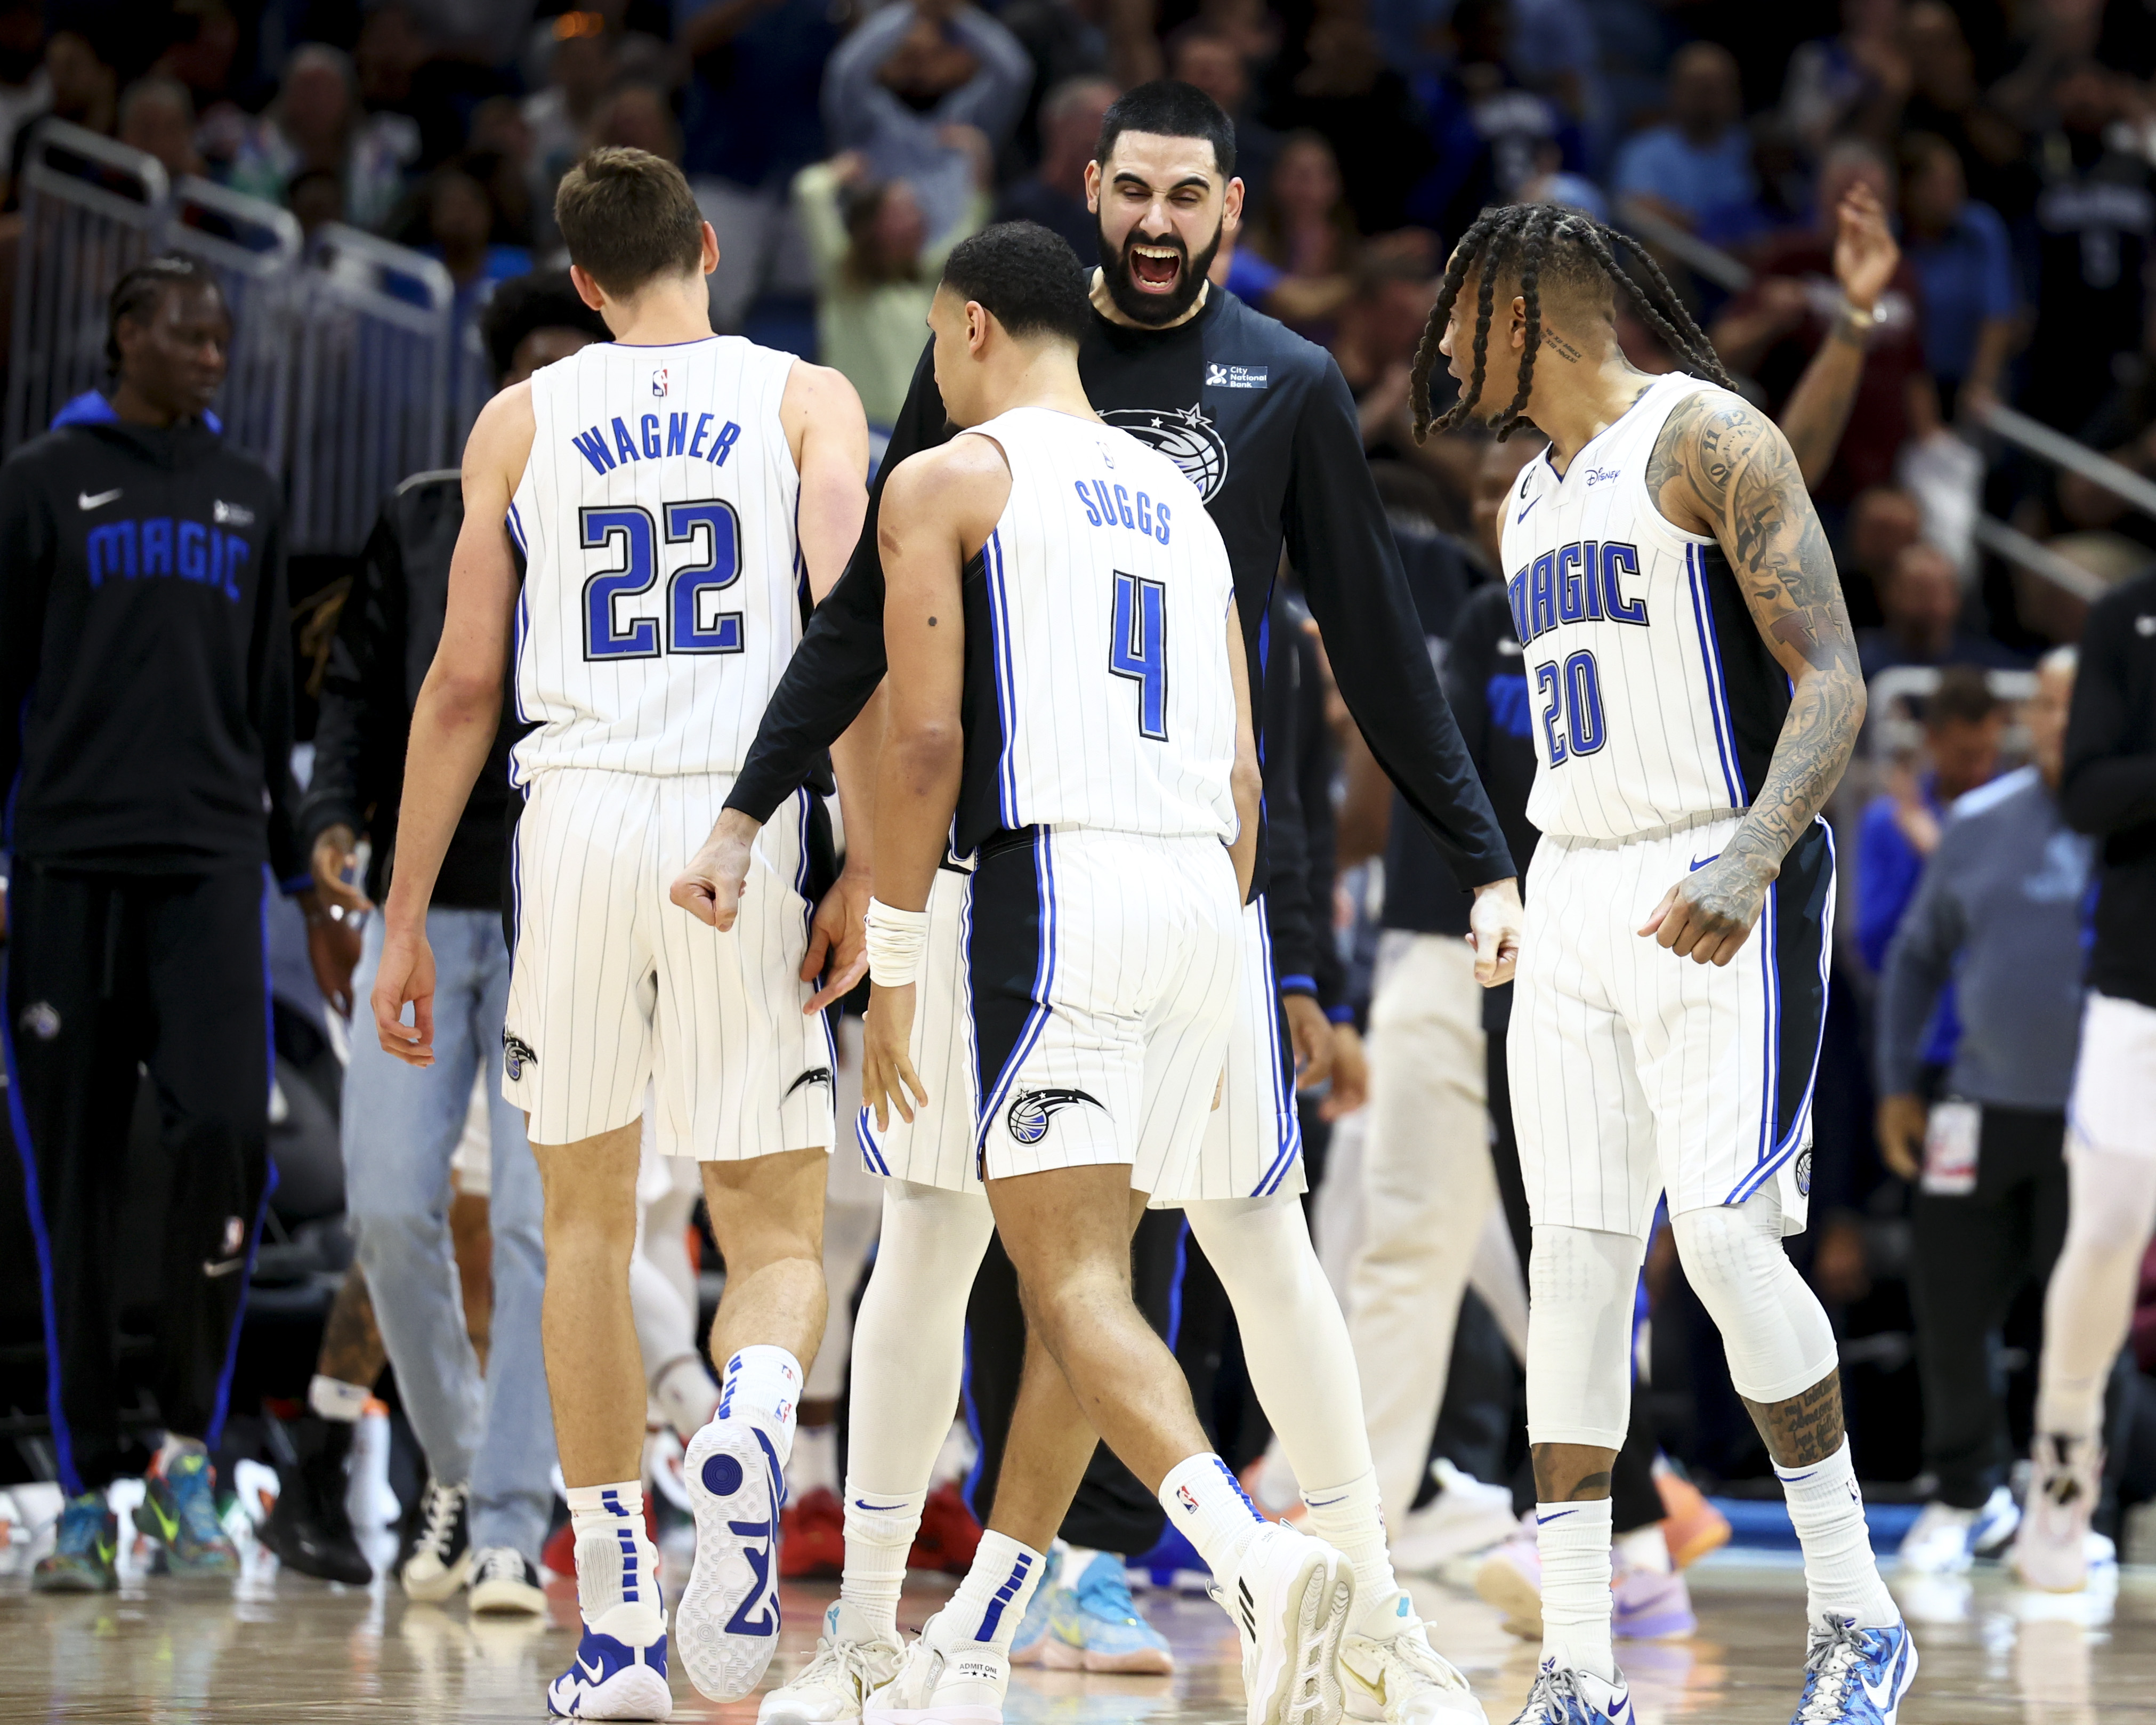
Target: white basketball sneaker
619,1671
1290,1599
1405,1680
726,1626
1564,1696
837,1683
942,1681
2051,1550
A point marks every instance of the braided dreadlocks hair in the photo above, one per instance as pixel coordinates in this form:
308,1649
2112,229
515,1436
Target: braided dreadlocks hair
136,295
1525,241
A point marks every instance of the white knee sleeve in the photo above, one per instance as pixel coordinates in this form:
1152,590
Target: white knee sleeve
2089,1307
909,1340
1581,1284
1774,1329
1295,1340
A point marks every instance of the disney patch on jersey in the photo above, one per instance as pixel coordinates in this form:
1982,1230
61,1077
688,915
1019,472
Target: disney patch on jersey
1220,377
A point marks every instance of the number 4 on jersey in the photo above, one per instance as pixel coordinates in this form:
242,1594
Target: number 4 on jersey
1137,648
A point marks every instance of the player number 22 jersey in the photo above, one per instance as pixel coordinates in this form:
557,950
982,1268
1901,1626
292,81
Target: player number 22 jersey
1652,698
663,581
1098,689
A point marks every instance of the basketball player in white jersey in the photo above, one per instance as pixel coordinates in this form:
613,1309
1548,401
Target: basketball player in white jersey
1695,695
1044,566
671,492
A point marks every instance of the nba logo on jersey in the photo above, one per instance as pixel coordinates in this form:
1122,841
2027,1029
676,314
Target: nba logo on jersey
659,381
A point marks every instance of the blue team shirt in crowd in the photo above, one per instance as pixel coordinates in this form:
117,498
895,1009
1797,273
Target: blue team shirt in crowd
1968,276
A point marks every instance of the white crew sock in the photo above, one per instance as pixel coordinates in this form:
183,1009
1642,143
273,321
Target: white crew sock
764,1381
334,1400
993,1596
1203,1499
1349,1519
1574,1539
879,1531
1645,1548
685,1394
616,1565
1841,1575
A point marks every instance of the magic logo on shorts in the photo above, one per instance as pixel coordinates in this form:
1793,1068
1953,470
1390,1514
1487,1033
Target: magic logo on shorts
1030,1114
516,1054
1804,1173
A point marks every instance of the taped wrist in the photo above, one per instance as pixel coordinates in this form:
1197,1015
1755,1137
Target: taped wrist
895,939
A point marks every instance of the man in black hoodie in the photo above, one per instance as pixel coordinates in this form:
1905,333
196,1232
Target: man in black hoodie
145,673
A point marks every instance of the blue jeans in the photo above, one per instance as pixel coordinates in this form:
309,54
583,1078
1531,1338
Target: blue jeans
401,1127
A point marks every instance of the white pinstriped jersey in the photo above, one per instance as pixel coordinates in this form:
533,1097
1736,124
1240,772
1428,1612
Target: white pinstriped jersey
1099,688
1652,699
662,587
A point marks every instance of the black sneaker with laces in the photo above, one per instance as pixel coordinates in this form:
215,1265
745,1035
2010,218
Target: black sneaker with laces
440,1558
506,1582
307,1527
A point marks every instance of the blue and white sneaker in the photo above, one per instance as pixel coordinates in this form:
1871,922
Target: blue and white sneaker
1094,1626
616,1676
1030,1643
727,1621
1856,1677
1945,1541
1564,1696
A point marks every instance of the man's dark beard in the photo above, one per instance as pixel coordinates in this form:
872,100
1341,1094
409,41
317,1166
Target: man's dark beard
1155,309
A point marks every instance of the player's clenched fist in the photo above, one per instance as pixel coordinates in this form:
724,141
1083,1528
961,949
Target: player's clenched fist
710,888
1708,917
887,1073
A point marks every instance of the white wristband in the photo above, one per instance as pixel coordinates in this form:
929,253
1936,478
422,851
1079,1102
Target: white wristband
895,940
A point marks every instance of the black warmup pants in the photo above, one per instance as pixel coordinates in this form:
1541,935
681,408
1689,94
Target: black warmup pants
1635,1501
1970,1257
105,973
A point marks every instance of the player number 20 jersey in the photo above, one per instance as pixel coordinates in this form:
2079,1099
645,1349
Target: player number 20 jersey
1098,689
1651,699
663,581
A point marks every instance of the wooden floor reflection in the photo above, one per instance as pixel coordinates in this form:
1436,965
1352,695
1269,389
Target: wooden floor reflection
280,1647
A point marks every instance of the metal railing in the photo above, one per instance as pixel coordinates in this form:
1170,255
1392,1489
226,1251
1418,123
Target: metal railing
1892,727
91,211
374,361
344,365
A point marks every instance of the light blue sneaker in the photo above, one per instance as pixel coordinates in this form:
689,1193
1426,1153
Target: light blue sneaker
1031,1640
1094,1626
1856,1677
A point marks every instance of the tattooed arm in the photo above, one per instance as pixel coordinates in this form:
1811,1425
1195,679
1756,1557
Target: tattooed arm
1721,468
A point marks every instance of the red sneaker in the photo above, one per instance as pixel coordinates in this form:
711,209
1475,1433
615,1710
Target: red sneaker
948,1533
812,1537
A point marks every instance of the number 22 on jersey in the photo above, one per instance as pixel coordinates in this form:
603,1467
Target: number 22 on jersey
693,624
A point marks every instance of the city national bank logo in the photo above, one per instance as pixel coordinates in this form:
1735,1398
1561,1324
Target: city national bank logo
659,381
1183,434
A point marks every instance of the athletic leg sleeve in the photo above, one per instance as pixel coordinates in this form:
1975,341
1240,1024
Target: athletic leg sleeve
1774,1328
2090,1302
1580,1284
1295,1340
909,1352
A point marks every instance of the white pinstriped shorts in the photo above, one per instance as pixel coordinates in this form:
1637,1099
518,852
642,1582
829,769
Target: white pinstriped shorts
612,985
1252,1142
1635,1072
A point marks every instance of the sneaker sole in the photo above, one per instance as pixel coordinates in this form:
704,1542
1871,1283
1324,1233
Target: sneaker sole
637,1694
726,1626
1300,1684
1060,1655
1501,1585
444,1586
508,1599
74,1585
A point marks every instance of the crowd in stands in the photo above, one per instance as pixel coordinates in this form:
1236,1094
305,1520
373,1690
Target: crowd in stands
839,148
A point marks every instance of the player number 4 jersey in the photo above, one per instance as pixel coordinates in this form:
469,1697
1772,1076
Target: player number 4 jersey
1098,690
663,586
1652,698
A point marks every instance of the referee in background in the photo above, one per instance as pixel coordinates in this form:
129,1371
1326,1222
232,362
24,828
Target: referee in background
146,679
